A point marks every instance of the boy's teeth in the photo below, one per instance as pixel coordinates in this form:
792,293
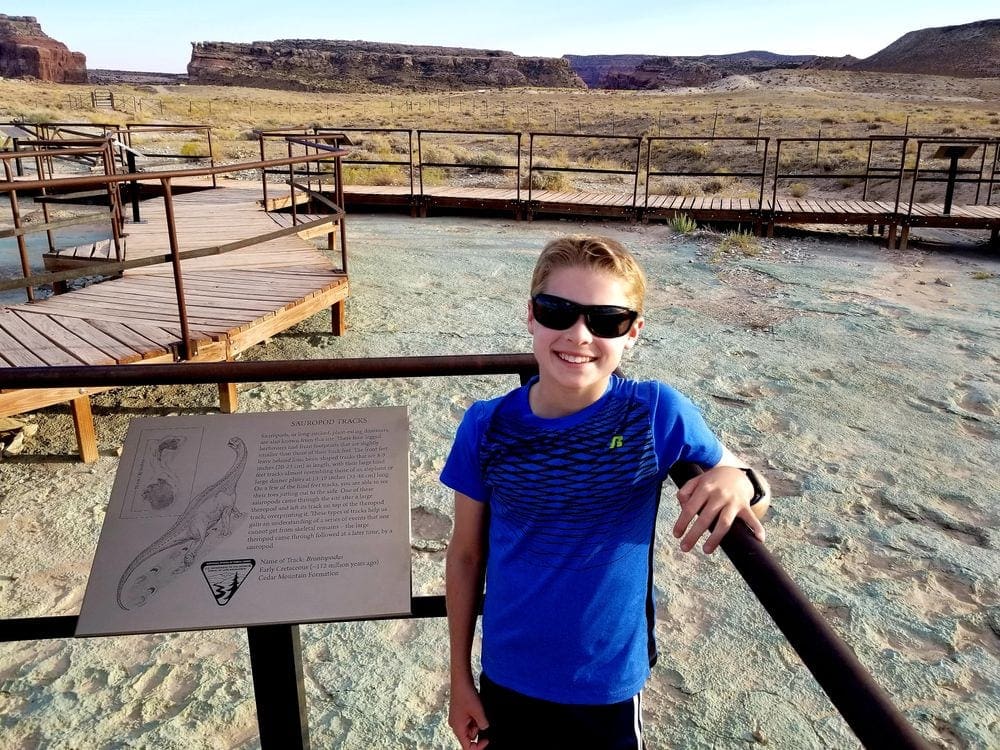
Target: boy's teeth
576,360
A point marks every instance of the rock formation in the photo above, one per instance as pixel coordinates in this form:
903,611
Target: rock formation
971,50
27,51
651,72
325,65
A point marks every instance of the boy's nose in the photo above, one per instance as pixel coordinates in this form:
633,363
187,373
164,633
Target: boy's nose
579,331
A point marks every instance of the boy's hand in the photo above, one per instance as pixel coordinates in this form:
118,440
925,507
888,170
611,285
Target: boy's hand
466,716
720,495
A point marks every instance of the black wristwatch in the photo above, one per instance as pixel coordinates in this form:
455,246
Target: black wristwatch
759,493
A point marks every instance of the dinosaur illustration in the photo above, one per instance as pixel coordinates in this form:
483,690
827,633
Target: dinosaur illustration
212,508
162,491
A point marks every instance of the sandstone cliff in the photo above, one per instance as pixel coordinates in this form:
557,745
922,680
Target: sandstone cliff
27,51
325,65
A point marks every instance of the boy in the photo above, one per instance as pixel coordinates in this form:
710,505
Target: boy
560,480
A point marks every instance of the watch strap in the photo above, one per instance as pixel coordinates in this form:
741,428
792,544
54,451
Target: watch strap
759,493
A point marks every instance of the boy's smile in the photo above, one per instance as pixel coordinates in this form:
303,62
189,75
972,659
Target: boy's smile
575,365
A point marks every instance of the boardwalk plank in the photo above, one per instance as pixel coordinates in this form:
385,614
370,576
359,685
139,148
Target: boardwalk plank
80,349
39,345
14,354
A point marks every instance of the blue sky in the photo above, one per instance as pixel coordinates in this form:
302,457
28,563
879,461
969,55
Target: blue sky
156,36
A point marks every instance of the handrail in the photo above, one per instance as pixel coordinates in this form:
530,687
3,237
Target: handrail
599,170
516,168
896,173
864,705
761,173
953,177
407,163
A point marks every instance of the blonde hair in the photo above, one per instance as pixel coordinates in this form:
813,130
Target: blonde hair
598,253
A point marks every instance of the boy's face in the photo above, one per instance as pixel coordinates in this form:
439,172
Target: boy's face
574,364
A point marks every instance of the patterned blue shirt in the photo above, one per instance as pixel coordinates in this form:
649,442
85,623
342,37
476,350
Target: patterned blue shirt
573,500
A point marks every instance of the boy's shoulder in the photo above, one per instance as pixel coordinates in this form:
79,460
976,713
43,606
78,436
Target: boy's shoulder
644,388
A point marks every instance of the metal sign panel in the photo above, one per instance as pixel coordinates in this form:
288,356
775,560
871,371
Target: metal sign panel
254,519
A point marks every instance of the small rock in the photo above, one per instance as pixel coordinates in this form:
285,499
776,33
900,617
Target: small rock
941,282
16,445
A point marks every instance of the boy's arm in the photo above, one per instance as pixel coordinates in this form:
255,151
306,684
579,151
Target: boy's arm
720,496
463,588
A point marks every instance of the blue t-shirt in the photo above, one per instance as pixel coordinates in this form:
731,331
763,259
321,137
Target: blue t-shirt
568,613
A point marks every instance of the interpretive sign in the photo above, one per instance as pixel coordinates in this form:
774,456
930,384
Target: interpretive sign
253,519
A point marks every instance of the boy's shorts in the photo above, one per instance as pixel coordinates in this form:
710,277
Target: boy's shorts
518,722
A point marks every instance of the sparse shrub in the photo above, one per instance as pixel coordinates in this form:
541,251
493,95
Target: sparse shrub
484,161
556,181
376,143
694,151
949,130
845,182
740,242
679,187
712,186
433,176
874,126
743,119
383,174
194,149
436,154
982,275
683,224
798,189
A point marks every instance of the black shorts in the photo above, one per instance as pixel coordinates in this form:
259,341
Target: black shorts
518,722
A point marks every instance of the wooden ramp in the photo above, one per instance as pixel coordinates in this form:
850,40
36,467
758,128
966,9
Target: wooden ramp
233,301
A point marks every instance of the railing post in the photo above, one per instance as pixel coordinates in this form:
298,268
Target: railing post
133,187
188,346
211,155
22,248
263,173
15,144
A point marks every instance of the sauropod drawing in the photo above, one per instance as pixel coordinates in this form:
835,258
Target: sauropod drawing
212,508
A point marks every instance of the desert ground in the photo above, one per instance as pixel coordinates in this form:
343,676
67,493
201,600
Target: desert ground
862,381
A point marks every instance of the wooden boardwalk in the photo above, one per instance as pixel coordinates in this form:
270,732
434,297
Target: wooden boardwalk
233,301
763,215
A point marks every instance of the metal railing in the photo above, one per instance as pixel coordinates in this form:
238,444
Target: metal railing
470,164
893,174
955,150
759,174
632,170
406,164
274,650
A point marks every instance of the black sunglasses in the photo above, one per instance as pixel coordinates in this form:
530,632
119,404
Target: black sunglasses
604,321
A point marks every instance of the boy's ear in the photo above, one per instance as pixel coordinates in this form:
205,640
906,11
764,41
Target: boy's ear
531,319
633,334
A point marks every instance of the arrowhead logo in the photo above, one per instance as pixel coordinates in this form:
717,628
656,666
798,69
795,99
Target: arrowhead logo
224,577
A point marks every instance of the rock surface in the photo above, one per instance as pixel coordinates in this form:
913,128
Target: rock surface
27,51
326,65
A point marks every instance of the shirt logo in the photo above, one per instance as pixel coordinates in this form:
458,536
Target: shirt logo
617,441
